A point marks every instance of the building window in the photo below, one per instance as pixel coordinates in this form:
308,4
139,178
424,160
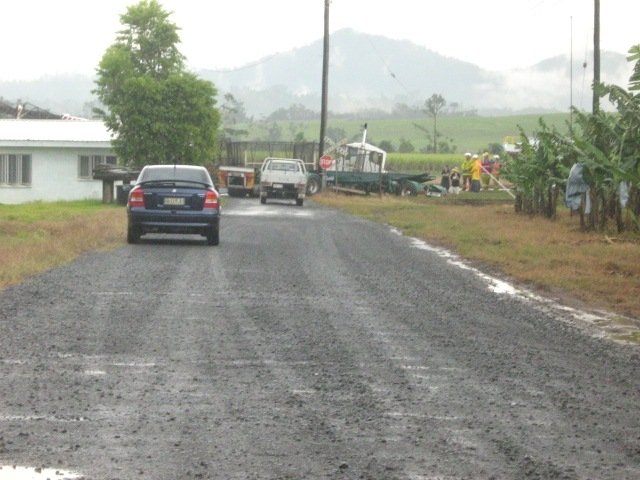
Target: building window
15,169
84,170
86,164
26,170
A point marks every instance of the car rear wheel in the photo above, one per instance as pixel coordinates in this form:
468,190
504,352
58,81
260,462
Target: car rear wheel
213,235
133,234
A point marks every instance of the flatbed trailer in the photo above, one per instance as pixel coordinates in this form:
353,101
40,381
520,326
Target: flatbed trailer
386,182
239,181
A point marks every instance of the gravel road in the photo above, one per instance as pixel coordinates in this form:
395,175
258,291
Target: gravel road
309,345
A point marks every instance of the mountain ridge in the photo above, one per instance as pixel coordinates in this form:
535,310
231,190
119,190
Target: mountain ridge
367,72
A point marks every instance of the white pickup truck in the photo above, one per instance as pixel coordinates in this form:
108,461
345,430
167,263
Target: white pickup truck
284,178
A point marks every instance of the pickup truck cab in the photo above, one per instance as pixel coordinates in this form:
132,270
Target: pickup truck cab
283,178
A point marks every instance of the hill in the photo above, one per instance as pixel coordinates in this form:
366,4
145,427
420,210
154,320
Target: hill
366,72
59,94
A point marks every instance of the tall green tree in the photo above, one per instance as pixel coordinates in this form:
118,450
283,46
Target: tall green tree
433,106
157,111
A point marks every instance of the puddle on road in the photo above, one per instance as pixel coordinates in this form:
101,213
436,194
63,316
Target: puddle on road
33,473
265,211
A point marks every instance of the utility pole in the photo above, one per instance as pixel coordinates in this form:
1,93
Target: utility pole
325,79
571,80
596,54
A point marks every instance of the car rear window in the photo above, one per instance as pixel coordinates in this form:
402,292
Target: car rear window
286,166
174,173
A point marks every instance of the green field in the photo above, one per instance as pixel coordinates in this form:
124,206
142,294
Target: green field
422,162
471,134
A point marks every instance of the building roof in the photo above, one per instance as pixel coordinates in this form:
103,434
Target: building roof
366,146
61,133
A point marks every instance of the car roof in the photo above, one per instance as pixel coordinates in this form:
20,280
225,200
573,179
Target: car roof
277,159
176,172
176,166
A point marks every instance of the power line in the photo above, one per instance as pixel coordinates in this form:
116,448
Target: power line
391,73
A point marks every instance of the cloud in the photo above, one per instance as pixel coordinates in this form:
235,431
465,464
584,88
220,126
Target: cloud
547,87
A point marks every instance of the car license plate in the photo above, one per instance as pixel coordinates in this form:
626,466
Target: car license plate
277,185
174,201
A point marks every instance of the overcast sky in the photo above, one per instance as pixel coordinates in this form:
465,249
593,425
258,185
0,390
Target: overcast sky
45,37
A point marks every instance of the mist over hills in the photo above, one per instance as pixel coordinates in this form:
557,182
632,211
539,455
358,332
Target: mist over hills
366,72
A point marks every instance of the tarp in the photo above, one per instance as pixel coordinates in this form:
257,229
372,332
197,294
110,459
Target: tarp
576,186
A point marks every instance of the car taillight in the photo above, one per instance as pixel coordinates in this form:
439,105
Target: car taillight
211,200
136,198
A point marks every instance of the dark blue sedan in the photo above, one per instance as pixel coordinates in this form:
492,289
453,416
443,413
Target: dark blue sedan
174,199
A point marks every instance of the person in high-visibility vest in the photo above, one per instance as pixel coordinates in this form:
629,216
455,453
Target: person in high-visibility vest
466,172
486,170
476,168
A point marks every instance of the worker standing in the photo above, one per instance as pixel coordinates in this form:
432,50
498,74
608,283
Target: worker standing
444,178
485,172
476,168
495,172
466,172
456,179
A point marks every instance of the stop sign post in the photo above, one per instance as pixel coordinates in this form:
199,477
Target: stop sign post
325,161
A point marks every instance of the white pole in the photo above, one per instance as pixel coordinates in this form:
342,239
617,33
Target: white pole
498,182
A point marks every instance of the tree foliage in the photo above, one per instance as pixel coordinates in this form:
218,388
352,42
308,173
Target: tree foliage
158,112
233,112
634,56
296,112
607,145
433,106
406,146
538,172
387,146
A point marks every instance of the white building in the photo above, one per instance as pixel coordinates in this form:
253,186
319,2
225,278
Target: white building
52,160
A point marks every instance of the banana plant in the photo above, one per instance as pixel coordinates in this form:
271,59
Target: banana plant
608,146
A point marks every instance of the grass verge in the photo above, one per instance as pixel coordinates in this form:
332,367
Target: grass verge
38,236
552,257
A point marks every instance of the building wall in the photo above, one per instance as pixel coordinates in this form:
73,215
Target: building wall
54,176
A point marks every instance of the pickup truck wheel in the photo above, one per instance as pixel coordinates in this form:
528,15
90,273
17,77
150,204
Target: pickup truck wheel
299,202
313,185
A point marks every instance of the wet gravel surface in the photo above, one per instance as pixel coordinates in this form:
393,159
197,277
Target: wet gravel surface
308,345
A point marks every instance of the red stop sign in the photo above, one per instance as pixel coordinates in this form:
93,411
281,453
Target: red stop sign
325,161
